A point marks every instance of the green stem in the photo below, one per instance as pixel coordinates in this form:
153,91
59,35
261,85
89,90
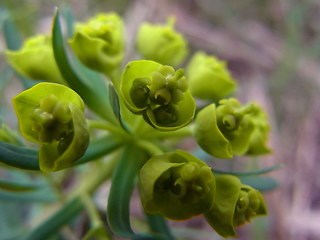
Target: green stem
149,147
180,133
115,129
97,228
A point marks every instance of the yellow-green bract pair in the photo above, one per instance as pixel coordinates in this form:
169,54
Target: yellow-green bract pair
230,128
99,43
161,43
53,116
178,186
35,60
159,93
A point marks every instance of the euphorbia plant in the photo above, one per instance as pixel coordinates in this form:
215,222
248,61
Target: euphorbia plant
141,115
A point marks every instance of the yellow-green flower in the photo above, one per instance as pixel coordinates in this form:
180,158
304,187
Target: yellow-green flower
35,60
99,43
209,78
53,116
176,185
159,93
162,43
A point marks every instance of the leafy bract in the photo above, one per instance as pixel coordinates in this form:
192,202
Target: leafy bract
52,115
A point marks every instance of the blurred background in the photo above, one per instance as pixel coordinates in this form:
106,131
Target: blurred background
272,47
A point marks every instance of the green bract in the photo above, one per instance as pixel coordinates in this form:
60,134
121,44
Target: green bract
35,60
209,78
99,43
176,185
162,43
52,115
231,129
234,204
159,93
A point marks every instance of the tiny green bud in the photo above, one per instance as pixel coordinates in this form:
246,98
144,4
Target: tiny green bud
209,78
35,60
139,92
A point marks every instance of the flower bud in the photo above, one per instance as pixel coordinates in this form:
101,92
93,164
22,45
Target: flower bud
234,204
35,60
53,116
230,129
162,43
99,43
209,78
176,185
159,93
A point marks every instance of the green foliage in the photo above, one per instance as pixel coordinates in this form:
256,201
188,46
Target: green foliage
137,122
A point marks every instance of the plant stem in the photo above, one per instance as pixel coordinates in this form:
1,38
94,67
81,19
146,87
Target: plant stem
97,228
149,147
107,126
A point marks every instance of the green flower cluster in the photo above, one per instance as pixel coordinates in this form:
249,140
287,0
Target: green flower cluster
172,183
178,186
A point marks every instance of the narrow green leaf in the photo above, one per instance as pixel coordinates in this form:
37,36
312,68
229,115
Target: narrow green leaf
14,42
119,198
88,91
16,187
250,173
44,194
11,35
19,157
114,102
158,225
260,183
27,158
53,224
68,16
